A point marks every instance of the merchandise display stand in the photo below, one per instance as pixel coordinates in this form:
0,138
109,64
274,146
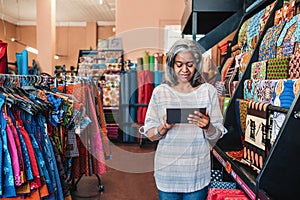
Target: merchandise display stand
105,64
60,72
279,177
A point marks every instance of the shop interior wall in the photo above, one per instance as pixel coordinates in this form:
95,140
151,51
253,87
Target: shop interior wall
140,24
69,40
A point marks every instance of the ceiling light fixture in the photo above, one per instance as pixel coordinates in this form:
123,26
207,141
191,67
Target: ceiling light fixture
101,2
28,48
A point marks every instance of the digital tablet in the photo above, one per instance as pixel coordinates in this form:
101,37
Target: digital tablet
180,115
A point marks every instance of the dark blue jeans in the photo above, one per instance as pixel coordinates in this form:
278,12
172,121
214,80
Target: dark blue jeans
197,195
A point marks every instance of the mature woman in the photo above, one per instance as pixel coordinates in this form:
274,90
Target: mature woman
182,159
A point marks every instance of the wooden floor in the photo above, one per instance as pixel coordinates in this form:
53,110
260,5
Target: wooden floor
129,176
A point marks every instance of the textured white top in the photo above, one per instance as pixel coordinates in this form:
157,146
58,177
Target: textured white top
182,158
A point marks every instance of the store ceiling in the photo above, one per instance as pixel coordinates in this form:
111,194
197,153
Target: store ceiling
24,11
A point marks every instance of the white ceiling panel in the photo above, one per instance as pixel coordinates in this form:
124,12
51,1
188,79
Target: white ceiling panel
66,10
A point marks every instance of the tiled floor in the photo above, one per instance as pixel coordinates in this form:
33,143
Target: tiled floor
129,176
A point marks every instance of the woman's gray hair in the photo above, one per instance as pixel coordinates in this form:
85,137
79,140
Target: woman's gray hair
179,46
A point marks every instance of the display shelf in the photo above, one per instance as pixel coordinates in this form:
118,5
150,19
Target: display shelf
279,177
232,140
244,175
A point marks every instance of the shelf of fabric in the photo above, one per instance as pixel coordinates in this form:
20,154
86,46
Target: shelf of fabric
241,175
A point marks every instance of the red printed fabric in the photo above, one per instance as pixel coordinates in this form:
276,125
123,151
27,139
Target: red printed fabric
3,57
145,89
226,194
294,71
91,154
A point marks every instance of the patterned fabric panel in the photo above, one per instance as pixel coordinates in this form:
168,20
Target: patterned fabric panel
216,175
227,65
228,194
267,49
112,80
250,90
265,90
294,71
297,47
286,41
243,114
222,185
254,29
278,119
241,62
285,92
110,96
256,124
229,79
258,70
255,156
278,68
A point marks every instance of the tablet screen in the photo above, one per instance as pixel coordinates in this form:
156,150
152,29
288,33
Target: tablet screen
180,115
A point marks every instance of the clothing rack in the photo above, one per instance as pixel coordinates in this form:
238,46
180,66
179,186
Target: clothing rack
63,78
35,107
25,80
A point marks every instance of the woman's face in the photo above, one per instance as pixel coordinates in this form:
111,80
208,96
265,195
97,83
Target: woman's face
184,66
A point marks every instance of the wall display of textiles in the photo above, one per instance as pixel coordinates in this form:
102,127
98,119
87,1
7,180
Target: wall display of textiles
106,65
263,113
260,143
136,88
97,62
241,49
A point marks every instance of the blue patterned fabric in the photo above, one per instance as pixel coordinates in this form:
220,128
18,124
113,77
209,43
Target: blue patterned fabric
8,189
222,185
30,127
216,175
284,93
50,157
1,144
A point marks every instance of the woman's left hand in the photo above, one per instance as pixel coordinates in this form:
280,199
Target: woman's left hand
199,119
